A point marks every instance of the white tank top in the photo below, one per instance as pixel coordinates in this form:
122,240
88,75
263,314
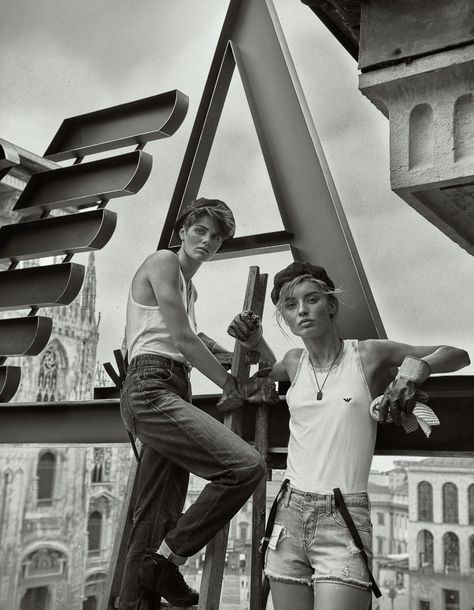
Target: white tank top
331,440
146,330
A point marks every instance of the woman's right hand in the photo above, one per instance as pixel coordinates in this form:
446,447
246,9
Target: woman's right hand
247,329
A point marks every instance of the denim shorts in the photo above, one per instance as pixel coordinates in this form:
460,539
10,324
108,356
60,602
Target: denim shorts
311,543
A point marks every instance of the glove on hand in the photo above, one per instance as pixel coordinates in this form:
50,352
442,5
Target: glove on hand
258,389
261,389
231,395
246,328
401,394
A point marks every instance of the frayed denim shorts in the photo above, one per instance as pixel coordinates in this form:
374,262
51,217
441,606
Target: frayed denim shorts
311,543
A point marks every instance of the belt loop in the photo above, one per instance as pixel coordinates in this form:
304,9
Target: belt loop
288,497
328,504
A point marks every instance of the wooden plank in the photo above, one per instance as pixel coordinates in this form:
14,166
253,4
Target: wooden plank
26,336
46,286
10,377
259,511
119,550
86,184
132,123
211,583
60,235
391,32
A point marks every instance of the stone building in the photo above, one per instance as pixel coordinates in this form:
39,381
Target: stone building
389,501
59,506
441,532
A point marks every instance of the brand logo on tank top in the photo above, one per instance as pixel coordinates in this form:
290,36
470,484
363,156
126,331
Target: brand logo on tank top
348,399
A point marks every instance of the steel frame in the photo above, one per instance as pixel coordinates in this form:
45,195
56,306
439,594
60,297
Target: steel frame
251,38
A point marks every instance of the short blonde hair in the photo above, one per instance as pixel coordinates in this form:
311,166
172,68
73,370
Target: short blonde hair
288,288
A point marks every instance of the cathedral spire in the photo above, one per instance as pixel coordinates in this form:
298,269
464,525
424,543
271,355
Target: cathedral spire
89,291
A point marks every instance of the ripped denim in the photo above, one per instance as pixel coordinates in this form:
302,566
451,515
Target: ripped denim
311,543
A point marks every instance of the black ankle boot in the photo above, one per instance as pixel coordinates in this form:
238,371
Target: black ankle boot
160,575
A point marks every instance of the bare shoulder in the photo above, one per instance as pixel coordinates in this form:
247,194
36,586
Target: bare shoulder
162,258
162,263
291,360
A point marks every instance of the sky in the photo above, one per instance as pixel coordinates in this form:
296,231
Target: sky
60,58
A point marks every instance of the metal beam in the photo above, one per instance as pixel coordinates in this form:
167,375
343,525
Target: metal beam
9,157
86,184
60,235
98,421
10,377
40,286
133,123
308,203
26,336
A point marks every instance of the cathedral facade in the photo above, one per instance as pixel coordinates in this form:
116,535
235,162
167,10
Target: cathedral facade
59,505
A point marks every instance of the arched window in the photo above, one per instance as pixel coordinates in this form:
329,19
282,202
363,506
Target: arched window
471,552
95,532
450,503
35,598
421,139
90,603
48,376
243,527
451,552
425,549
470,502
97,469
45,474
425,501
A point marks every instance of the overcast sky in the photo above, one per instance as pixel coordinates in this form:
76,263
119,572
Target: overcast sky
60,58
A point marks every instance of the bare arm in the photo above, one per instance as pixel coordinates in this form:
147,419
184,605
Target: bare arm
161,270
440,358
416,364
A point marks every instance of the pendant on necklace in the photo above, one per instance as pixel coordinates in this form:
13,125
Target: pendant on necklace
319,395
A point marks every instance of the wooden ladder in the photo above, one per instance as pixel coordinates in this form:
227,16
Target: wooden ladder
213,569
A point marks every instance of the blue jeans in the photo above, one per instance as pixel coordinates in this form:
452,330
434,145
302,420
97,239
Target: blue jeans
178,438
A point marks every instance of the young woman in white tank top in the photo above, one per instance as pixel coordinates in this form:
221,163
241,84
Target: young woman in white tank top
311,561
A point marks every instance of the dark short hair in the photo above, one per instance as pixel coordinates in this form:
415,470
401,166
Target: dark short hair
293,271
215,208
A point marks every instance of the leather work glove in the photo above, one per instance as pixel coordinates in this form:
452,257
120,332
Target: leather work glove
258,389
246,328
400,397
231,395
261,389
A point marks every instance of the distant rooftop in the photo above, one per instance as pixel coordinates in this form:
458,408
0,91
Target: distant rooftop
443,462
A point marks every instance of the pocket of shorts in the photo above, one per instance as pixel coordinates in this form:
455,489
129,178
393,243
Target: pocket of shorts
360,515
277,535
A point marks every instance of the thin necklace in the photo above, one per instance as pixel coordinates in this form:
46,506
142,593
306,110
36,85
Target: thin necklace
319,395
